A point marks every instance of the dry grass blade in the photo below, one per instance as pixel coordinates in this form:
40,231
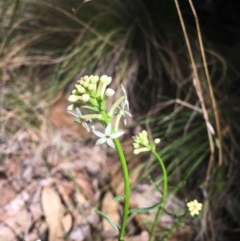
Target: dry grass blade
197,85
213,100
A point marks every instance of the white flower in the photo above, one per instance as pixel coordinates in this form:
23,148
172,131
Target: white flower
194,207
107,136
125,102
79,118
124,112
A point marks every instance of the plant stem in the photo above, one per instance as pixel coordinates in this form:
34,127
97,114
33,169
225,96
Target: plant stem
126,189
164,195
174,227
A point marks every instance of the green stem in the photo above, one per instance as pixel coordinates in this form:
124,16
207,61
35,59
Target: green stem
175,226
164,195
126,189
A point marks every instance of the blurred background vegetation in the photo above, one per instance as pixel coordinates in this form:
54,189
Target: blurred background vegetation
47,45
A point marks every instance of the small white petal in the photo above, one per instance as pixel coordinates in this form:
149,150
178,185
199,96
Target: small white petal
116,135
70,107
99,134
85,126
128,113
100,141
78,112
125,102
124,91
110,143
108,129
72,113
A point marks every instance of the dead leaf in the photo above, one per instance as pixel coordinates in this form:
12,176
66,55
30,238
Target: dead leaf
53,211
7,192
67,223
109,207
65,189
142,237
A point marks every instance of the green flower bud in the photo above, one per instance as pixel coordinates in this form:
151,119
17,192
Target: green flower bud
109,92
104,79
91,86
145,142
73,98
136,145
139,150
144,133
136,151
80,89
109,80
94,79
81,81
157,141
85,77
85,84
87,80
85,97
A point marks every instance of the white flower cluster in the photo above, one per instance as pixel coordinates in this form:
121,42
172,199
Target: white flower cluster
91,93
91,89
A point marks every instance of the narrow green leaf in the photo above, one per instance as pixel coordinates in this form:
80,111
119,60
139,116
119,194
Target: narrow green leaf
144,209
176,214
118,198
154,185
108,219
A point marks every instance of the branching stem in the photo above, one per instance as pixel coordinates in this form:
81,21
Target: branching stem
164,194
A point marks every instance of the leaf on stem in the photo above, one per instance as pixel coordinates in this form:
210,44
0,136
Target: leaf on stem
119,198
144,209
103,215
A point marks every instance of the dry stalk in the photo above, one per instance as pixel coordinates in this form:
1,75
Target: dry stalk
197,84
213,100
